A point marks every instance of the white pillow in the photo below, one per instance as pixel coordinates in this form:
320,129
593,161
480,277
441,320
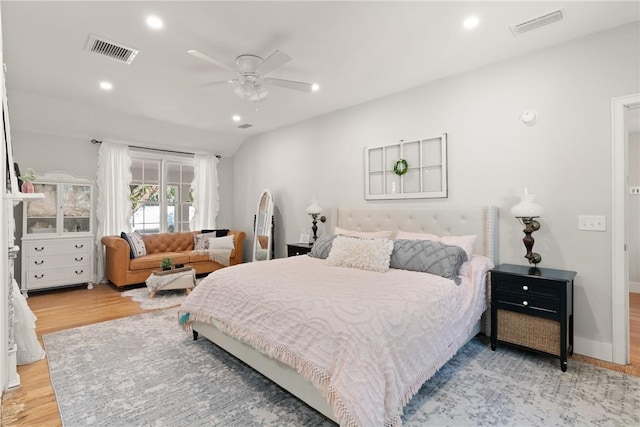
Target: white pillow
365,254
225,242
407,235
363,234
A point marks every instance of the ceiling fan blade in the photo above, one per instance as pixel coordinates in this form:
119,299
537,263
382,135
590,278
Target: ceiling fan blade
274,61
211,60
220,82
289,84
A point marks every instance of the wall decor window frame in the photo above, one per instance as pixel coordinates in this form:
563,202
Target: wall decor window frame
426,175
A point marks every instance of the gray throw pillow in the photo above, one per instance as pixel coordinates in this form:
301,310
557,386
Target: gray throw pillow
428,257
322,246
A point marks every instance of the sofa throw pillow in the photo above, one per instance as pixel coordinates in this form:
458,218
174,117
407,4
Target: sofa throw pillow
322,247
136,244
201,242
364,254
428,257
220,232
221,243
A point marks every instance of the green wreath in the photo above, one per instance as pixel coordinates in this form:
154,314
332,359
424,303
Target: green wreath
400,167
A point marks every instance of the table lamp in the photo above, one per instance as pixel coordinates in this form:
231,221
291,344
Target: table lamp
526,212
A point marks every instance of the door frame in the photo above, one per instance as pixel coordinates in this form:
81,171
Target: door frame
619,262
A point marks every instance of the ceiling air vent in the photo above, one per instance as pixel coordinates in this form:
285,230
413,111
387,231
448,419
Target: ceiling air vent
111,49
537,22
245,126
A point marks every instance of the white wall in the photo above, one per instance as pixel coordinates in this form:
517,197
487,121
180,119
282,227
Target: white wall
565,158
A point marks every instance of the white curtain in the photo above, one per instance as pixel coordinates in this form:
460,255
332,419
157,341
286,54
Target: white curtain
205,192
114,208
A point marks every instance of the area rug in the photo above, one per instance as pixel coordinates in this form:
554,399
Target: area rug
144,370
162,299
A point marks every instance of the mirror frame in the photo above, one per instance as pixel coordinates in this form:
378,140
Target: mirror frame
268,219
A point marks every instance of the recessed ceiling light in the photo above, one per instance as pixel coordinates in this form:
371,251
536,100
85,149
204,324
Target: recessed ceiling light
471,22
315,87
154,22
106,85
236,118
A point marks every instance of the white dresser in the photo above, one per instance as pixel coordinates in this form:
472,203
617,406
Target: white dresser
57,237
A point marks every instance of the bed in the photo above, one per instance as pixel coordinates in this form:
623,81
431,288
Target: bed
354,344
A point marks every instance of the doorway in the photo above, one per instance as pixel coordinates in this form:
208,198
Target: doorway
622,109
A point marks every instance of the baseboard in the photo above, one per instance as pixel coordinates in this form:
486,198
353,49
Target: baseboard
634,287
595,349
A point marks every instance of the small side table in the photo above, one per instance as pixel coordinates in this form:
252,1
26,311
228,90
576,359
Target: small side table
533,308
295,249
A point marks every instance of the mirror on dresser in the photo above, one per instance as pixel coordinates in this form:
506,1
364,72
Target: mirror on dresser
263,228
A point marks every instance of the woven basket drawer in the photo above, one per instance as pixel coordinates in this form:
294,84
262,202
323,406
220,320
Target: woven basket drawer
528,331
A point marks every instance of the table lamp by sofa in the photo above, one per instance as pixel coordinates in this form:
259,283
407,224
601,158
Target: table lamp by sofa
315,210
526,212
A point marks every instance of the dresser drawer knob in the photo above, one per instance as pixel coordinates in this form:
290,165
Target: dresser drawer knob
79,246
40,249
79,259
38,276
79,272
38,262
525,303
525,288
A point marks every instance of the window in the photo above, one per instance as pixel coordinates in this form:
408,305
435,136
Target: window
161,199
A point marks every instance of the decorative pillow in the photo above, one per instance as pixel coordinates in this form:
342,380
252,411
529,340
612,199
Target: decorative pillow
201,242
363,234
136,244
428,256
322,247
365,254
465,242
221,243
220,232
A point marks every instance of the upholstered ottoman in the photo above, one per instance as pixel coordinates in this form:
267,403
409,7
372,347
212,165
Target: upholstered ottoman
177,278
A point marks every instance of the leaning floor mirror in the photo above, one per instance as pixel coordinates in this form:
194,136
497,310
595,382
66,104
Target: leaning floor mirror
263,229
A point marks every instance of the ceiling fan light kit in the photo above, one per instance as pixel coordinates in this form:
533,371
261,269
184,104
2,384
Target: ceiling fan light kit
251,84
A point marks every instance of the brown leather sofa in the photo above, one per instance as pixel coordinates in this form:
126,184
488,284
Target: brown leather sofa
123,271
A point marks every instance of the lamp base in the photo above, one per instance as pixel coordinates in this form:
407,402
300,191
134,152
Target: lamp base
533,258
531,225
314,227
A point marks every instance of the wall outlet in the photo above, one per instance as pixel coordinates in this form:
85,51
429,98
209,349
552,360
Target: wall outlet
592,223
634,190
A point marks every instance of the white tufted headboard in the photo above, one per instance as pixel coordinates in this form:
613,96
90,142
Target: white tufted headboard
482,221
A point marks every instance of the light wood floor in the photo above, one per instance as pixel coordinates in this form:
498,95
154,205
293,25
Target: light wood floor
33,403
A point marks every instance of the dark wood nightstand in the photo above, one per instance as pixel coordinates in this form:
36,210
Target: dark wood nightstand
533,308
294,249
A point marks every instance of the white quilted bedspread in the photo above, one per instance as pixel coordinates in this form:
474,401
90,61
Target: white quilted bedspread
366,340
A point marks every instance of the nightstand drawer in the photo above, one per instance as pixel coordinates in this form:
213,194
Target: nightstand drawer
528,304
525,286
295,249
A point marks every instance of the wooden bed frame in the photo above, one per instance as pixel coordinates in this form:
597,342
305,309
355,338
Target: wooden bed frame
440,221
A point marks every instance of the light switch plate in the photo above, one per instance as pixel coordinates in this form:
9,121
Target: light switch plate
592,223
635,190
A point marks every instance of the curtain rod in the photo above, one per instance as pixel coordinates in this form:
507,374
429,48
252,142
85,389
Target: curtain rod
95,141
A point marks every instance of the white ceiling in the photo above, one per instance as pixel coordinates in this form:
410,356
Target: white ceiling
356,51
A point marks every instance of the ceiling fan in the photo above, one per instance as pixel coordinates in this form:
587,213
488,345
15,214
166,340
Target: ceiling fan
251,83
